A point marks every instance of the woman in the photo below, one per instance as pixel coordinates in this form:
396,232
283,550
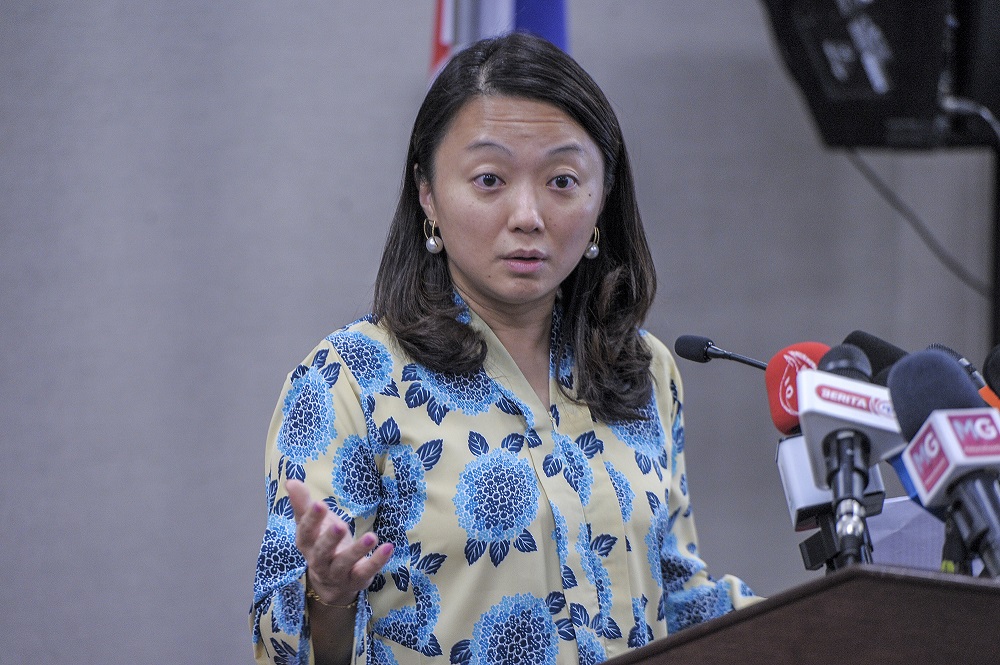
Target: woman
500,422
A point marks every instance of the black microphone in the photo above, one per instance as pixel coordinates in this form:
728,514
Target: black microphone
846,451
701,349
952,460
985,391
810,504
991,369
966,364
881,354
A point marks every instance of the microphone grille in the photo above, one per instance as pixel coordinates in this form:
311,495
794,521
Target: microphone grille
926,381
881,354
991,369
693,347
848,361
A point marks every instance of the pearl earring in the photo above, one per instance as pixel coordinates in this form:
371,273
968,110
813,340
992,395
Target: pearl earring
592,249
434,243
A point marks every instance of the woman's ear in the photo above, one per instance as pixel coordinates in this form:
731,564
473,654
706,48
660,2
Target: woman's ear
426,195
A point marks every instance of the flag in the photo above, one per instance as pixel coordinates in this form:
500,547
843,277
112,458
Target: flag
459,23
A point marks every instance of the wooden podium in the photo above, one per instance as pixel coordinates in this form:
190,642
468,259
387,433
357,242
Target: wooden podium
863,615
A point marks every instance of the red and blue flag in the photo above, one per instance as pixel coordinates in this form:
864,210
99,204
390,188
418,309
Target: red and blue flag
458,23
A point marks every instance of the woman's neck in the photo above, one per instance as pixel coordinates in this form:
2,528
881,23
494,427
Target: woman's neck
525,335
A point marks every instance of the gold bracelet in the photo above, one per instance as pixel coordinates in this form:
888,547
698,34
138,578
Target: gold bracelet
312,595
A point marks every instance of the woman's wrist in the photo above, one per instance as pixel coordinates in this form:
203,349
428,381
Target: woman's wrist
313,596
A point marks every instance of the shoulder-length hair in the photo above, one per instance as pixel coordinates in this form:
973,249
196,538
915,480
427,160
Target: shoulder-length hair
604,300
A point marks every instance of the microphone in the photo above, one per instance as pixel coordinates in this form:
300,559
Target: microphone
952,459
847,422
807,503
701,349
986,392
829,403
884,355
780,376
881,354
991,369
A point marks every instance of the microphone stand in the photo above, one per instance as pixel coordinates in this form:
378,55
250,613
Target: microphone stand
955,556
846,453
823,547
975,514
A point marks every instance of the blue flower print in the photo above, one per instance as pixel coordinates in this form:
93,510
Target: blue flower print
591,550
687,608
285,654
463,653
642,632
308,416
276,583
464,316
496,500
413,626
560,536
562,367
646,438
590,650
361,618
356,479
668,565
289,605
368,360
677,430
561,356
677,568
622,489
571,459
517,630
471,393
280,562
403,497
380,653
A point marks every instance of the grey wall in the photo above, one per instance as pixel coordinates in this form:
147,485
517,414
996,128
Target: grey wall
192,194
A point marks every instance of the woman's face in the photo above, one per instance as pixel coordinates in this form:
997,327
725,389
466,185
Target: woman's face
516,192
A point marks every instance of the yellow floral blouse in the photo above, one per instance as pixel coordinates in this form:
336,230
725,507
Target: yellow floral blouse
523,532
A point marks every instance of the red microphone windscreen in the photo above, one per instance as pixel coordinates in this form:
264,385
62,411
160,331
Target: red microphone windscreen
781,375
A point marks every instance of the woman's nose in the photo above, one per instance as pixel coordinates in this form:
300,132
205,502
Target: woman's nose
526,214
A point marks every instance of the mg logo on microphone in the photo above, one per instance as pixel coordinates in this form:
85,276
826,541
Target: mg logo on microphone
928,458
977,434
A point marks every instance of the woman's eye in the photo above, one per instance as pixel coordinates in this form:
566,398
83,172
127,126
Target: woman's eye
563,181
488,180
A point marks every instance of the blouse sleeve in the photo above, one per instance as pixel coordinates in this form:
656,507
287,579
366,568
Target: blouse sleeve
318,435
691,594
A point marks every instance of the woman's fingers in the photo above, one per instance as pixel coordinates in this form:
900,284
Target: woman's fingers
309,516
298,495
338,562
366,569
332,532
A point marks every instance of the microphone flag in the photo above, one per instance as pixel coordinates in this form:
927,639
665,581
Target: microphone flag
459,23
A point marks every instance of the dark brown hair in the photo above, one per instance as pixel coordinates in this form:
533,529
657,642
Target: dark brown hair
604,300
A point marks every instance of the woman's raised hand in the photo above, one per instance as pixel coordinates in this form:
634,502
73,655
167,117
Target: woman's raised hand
337,565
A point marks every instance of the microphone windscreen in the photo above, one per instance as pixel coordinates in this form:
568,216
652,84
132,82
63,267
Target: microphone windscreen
693,347
881,354
926,381
781,379
991,369
848,361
